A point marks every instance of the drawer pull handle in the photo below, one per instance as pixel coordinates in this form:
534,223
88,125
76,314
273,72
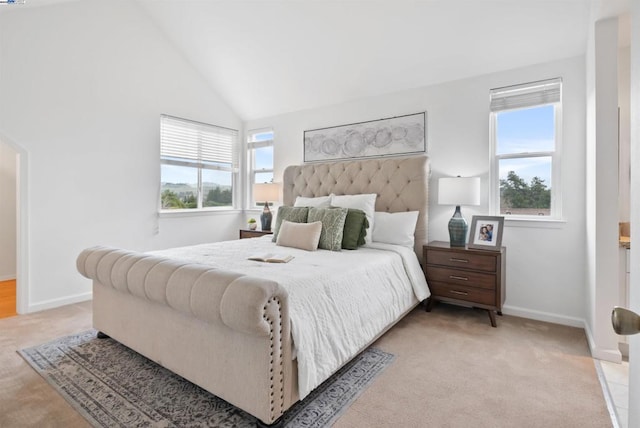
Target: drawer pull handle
463,293
458,260
461,278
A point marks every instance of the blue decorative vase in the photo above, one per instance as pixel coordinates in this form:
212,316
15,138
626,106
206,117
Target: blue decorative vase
457,229
265,217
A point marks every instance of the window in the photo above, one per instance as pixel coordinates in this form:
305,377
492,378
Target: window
197,164
525,138
260,159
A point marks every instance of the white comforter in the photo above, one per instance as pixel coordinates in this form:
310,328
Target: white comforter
339,301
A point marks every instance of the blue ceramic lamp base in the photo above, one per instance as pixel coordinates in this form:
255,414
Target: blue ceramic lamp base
265,217
457,229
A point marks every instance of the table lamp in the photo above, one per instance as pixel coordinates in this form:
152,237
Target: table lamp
266,192
458,191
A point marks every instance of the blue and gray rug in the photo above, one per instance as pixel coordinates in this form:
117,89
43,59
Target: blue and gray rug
111,385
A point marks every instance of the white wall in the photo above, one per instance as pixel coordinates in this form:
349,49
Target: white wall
602,189
545,264
624,145
82,86
634,341
7,212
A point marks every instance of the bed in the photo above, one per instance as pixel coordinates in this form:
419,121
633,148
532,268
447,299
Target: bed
263,335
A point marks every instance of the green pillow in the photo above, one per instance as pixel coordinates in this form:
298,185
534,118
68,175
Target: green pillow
332,226
292,214
355,229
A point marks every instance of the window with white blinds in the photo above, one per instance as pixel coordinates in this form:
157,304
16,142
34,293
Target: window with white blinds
525,137
198,164
526,95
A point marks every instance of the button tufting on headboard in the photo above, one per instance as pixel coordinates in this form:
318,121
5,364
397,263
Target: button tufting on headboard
401,183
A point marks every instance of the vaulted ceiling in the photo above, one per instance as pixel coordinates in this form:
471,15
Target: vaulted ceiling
270,57
267,57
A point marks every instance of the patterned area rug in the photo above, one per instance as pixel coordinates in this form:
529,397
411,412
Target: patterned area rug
111,385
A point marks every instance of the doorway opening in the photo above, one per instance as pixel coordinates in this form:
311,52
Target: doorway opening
8,230
20,230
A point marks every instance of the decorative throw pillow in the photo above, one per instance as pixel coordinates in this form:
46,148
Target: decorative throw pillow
395,228
300,235
319,202
364,202
332,226
292,214
355,229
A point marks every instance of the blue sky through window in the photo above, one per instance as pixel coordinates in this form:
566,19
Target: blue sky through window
264,158
529,130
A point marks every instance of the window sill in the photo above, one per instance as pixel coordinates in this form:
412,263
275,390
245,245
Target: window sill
193,213
544,223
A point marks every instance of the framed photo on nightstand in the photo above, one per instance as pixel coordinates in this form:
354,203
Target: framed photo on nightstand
486,233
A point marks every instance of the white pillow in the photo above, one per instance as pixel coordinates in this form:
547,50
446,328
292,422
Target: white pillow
395,228
365,202
300,235
319,202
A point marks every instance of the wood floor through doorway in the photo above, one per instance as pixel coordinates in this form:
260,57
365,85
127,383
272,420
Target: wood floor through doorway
8,298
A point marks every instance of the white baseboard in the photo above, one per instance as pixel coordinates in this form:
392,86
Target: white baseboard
612,355
54,303
590,341
624,349
543,316
7,277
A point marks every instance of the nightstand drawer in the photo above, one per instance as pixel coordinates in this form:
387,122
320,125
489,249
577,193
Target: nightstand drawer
461,277
461,292
466,276
463,260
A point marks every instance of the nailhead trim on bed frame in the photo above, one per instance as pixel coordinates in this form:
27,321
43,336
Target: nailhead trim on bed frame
271,370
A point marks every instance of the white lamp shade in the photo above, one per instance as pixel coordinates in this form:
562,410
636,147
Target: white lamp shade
459,191
266,192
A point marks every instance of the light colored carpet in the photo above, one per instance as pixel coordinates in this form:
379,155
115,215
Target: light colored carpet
452,369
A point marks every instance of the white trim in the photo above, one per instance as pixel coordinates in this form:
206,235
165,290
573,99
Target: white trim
250,173
613,355
23,284
611,407
196,212
8,277
22,225
555,155
543,316
54,303
542,223
199,145
556,166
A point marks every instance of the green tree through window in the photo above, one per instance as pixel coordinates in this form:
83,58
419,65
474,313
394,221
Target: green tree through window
198,164
517,193
526,124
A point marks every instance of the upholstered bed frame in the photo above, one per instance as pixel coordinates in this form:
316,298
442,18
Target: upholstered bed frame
225,331
401,185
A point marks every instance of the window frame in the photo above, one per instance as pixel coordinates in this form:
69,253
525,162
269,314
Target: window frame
556,213
201,165
251,170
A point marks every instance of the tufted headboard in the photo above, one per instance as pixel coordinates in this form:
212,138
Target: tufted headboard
401,183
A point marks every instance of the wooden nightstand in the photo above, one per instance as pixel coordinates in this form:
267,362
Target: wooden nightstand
247,233
466,276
